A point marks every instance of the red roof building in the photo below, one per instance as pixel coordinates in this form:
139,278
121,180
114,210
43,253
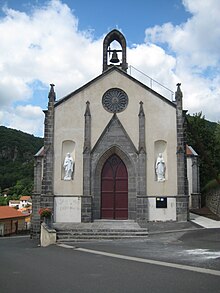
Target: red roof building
25,198
11,221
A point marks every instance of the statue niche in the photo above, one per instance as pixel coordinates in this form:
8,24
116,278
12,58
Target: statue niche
160,168
68,166
68,160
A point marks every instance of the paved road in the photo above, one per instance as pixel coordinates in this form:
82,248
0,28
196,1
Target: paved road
25,267
199,248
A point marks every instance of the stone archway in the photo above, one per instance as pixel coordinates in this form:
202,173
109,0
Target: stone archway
97,166
114,189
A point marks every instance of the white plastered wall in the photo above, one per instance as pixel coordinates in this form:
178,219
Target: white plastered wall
160,125
162,214
189,178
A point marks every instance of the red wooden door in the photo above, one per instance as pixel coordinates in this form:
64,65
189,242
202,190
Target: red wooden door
114,189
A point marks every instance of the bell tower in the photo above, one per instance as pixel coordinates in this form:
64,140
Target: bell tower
114,51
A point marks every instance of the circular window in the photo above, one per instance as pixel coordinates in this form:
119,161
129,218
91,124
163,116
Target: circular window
115,100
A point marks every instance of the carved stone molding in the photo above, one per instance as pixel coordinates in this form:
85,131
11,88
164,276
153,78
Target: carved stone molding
115,100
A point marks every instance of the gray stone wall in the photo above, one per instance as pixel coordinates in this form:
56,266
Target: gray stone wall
213,200
35,220
182,208
182,200
87,153
36,196
86,209
47,198
142,209
195,195
43,191
195,200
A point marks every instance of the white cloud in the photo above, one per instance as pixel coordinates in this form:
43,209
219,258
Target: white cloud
196,49
159,66
47,46
26,118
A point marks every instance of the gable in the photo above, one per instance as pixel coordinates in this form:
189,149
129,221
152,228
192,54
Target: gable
105,75
69,112
114,135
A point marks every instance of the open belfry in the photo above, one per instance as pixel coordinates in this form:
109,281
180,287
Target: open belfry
114,150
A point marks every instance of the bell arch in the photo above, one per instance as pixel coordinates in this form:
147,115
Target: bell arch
114,35
97,165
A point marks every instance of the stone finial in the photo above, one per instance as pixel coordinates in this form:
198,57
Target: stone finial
87,112
52,95
178,91
179,97
141,110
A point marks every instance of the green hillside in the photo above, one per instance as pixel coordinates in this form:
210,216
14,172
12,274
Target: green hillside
16,160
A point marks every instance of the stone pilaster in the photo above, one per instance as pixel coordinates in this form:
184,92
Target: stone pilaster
86,209
182,200
38,169
195,195
47,197
142,209
36,195
86,204
141,116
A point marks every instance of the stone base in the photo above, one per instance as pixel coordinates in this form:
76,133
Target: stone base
86,209
195,200
182,208
142,208
48,235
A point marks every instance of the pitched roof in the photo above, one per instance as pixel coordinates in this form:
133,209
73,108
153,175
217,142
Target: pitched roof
105,73
25,197
40,153
7,212
190,151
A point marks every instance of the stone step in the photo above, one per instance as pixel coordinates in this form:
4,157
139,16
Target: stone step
83,235
98,237
101,233
102,230
99,224
99,229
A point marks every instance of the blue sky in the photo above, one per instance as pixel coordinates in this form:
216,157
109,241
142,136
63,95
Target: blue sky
61,42
132,16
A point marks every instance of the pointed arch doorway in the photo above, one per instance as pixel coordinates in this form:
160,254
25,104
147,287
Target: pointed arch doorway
114,189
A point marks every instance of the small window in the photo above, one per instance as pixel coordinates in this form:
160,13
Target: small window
161,202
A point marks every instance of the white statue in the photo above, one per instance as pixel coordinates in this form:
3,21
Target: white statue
68,166
160,168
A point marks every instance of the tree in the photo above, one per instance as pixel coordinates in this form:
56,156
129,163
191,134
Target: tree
17,151
217,146
201,135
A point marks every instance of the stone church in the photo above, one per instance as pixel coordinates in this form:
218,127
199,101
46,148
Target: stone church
114,149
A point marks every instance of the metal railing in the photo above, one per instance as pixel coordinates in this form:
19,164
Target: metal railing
152,83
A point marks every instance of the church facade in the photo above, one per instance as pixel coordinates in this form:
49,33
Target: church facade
114,149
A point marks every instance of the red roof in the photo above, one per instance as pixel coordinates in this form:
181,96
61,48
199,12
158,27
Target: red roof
7,212
25,197
190,151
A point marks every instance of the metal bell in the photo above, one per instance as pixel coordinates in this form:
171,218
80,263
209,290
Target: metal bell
114,58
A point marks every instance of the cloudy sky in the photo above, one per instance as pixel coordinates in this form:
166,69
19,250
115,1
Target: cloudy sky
60,42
